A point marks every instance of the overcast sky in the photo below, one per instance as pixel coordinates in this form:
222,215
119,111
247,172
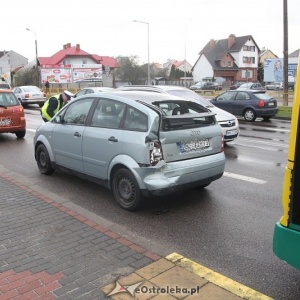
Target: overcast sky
178,29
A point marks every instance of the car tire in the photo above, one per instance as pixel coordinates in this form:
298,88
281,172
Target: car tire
249,115
43,160
20,134
126,190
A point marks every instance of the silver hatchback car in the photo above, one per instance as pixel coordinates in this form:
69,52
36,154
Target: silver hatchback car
136,144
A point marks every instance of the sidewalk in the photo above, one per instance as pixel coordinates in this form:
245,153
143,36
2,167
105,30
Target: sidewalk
51,248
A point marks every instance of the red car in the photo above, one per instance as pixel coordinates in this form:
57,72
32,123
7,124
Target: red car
12,116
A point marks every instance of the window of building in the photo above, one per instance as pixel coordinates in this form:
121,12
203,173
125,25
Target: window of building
249,48
247,74
229,64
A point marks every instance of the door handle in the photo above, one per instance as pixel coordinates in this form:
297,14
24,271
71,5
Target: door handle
77,134
113,139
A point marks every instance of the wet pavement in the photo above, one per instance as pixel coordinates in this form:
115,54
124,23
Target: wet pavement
51,248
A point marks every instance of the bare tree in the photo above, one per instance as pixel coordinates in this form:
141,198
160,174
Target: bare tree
130,70
25,76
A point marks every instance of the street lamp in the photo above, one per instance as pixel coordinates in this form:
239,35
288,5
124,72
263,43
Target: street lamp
36,55
149,80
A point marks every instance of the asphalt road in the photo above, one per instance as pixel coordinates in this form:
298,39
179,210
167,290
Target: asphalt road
227,227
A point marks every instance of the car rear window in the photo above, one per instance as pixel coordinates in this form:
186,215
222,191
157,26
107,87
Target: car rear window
263,96
184,114
8,99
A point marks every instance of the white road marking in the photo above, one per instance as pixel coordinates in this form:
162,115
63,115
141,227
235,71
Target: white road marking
245,178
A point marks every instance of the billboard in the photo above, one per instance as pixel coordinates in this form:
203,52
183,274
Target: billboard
273,70
71,73
56,75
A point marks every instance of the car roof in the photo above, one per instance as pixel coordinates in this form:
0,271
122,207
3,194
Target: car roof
146,96
247,91
3,90
152,87
99,88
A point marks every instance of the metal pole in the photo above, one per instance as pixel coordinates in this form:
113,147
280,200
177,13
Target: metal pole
285,55
149,79
36,57
185,56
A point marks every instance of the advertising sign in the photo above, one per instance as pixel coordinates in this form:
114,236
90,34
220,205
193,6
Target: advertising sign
273,70
71,73
87,73
56,75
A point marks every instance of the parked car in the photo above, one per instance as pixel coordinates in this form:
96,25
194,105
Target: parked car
4,85
12,117
136,144
274,86
211,86
30,94
251,86
249,104
197,86
90,90
236,85
291,85
227,121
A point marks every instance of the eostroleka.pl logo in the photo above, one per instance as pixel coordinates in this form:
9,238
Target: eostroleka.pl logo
154,290
126,288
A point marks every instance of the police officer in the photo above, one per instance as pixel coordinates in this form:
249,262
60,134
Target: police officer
54,104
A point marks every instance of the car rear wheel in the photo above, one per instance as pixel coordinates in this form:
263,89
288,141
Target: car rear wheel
43,160
249,115
20,134
126,190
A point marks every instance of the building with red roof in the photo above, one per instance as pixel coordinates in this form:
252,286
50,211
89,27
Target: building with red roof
72,64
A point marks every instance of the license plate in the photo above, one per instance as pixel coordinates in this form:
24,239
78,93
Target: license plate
271,104
5,122
193,146
231,132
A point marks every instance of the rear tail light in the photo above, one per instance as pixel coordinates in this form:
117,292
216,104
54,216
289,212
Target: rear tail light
261,103
155,153
17,110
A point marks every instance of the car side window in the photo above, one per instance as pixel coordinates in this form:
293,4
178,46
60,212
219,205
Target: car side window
135,120
108,114
242,96
80,93
77,112
226,96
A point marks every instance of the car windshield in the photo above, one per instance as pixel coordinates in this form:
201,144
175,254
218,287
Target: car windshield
8,99
190,95
31,89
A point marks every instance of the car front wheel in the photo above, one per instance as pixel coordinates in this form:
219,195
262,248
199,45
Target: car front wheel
43,160
126,190
249,115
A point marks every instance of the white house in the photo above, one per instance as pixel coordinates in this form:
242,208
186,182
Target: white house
234,58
